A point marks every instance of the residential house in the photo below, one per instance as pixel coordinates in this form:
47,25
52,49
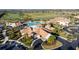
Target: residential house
26,30
36,28
10,24
61,21
14,24
42,33
48,26
76,16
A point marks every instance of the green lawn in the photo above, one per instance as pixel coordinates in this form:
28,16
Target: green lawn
69,37
42,15
27,41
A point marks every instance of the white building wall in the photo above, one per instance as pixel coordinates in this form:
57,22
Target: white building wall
11,24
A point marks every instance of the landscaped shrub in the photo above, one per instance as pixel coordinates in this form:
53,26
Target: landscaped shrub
27,40
51,40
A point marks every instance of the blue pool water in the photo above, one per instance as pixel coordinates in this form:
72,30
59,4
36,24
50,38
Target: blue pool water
33,23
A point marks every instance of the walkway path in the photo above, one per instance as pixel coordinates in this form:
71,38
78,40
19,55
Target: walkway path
20,38
36,44
5,37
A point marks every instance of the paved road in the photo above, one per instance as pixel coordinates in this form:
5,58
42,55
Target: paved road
12,45
37,44
75,43
68,45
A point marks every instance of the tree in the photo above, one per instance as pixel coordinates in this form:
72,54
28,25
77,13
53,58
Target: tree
13,33
10,34
27,40
51,40
12,16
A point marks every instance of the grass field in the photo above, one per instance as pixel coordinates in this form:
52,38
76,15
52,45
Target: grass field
42,15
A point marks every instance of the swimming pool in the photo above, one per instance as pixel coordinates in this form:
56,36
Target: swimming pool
33,24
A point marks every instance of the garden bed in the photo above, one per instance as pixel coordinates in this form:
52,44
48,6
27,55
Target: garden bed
52,46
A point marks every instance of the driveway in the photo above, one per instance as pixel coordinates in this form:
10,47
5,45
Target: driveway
37,44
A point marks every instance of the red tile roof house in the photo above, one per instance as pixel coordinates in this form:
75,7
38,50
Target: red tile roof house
37,28
40,32
26,30
45,35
